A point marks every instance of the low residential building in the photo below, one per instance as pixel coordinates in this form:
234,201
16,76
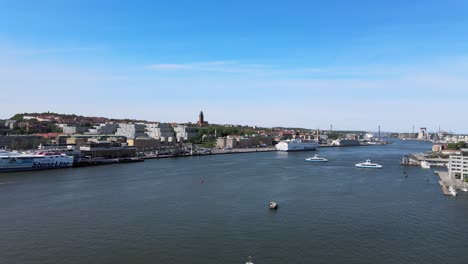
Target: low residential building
458,165
10,123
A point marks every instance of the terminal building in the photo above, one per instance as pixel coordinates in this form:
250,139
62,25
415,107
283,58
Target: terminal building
458,165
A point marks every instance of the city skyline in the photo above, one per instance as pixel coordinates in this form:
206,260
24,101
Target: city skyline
268,64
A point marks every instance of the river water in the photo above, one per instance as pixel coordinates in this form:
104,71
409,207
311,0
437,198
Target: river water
214,209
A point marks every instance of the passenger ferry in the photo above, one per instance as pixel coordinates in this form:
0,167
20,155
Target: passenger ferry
15,161
369,165
296,145
316,158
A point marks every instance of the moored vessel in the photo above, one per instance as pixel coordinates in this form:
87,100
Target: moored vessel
296,145
425,165
452,191
15,161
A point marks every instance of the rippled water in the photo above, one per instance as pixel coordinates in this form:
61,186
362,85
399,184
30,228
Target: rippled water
214,209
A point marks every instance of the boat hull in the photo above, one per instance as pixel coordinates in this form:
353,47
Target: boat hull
30,163
296,145
316,160
368,167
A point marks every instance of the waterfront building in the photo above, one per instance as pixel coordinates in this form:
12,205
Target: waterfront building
226,142
458,165
162,131
145,143
131,130
79,139
185,132
109,150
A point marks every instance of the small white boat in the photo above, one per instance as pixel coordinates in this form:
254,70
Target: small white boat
452,191
425,165
368,164
250,261
316,158
465,189
273,205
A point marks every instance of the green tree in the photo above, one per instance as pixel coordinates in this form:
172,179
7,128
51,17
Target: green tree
452,146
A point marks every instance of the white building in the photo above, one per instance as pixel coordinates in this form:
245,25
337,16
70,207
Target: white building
185,132
28,117
72,129
131,130
422,135
162,131
458,165
104,129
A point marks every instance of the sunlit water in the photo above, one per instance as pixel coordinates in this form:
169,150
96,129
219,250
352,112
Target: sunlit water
214,209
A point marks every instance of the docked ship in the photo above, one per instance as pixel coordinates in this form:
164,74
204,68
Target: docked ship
296,145
15,161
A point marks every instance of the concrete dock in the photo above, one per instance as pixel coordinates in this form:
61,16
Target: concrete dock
444,188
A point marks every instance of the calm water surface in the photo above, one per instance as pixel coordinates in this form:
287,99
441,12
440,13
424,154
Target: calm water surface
214,210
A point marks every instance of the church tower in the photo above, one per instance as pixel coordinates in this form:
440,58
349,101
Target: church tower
201,120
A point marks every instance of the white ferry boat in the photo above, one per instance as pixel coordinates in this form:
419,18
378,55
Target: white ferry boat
368,164
316,158
15,161
296,145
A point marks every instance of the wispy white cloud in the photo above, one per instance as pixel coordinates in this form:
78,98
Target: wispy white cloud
212,66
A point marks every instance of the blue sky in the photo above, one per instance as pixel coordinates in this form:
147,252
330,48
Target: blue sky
353,64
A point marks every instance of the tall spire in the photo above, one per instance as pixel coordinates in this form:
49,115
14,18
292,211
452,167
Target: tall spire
201,119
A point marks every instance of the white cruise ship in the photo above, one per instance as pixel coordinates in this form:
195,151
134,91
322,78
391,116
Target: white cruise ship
296,145
14,161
